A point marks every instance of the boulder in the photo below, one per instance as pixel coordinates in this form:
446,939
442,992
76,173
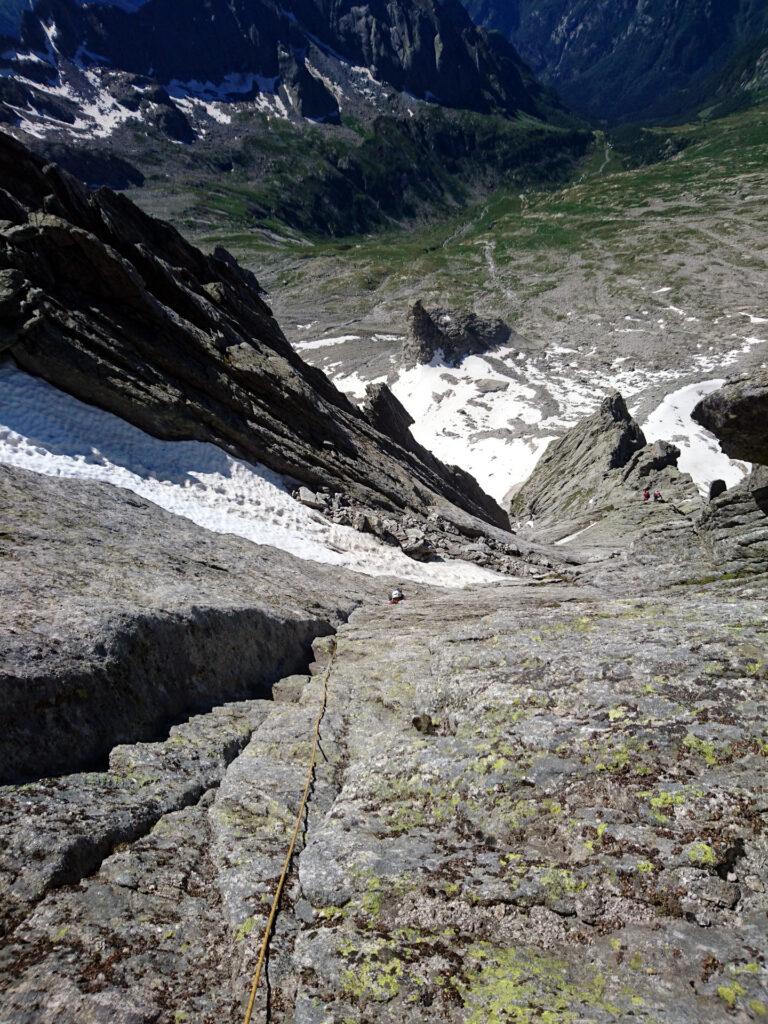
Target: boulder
737,415
716,488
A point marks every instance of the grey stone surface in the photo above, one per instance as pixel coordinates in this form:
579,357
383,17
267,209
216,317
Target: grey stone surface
116,618
738,415
579,835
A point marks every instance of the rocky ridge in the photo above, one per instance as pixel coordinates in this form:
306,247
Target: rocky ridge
589,484
88,284
424,48
452,333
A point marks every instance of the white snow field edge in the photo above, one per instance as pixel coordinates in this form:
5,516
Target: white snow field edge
48,431
701,455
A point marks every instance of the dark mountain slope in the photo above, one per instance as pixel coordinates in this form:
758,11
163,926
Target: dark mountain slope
622,60
120,311
420,46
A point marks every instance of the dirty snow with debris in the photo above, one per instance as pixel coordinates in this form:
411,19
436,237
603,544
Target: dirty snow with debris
47,431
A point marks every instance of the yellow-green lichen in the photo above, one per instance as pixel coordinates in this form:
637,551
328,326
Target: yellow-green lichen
702,855
514,986
245,929
704,748
730,993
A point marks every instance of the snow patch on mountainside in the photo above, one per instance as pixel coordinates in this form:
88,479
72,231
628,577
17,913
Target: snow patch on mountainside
701,455
47,431
305,346
494,415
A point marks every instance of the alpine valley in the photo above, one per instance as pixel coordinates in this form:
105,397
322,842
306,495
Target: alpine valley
383,511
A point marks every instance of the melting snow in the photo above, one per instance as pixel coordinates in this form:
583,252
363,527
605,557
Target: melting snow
305,346
49,432
701,456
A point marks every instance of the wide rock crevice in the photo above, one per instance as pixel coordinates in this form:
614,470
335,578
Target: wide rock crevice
119,619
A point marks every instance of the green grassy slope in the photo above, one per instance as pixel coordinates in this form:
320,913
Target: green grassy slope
322,180
597,240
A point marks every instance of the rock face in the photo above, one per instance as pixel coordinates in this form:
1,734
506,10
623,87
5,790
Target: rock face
736,522
738,415
588,488
454,333
423,47
624,60
117,309
573,828
160,620
540,799
63,59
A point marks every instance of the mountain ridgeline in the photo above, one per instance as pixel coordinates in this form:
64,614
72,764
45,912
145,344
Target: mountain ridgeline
622,61
329,117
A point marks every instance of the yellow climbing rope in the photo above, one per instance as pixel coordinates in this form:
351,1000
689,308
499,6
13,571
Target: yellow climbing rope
292,845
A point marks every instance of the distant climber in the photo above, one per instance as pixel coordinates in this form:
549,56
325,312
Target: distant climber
657,496
647,494
396,596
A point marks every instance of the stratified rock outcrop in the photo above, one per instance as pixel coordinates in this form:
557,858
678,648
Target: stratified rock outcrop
117,309
735,524
455,334
738,416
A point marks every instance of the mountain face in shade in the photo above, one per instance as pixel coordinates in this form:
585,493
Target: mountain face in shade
624,60
426,48
334,117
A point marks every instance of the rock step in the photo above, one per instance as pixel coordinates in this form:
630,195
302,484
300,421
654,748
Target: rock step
58,831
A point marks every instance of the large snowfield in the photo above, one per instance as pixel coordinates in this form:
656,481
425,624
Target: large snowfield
47,431
464,425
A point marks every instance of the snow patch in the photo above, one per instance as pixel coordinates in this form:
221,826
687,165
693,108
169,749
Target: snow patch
49,432
701,455
305,346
